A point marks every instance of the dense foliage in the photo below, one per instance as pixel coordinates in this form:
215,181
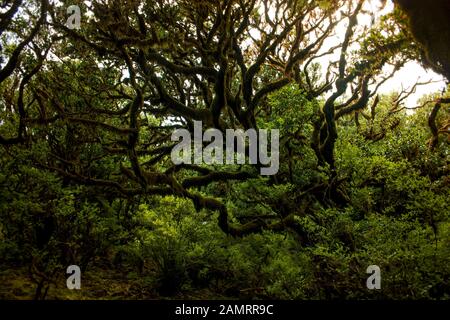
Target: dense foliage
86,178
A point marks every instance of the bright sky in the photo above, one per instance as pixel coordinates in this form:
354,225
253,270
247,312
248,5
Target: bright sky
406,77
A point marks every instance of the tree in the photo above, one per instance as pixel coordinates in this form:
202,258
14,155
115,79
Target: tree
86,118
158,66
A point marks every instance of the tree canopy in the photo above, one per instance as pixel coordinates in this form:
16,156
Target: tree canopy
86,120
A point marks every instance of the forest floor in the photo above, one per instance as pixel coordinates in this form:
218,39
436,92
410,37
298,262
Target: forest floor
15,284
